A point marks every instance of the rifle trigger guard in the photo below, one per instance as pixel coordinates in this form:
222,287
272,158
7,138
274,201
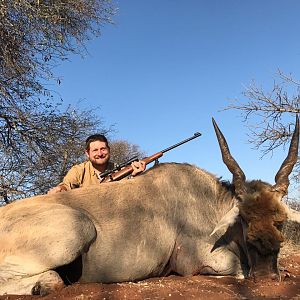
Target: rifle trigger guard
156,162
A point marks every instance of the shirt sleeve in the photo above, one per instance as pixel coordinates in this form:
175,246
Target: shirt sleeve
73,178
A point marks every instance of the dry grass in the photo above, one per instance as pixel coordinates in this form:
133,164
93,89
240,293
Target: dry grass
291,232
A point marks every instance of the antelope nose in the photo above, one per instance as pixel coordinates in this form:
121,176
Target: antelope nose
275,277
266,277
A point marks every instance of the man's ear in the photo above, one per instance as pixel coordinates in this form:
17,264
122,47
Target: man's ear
86,153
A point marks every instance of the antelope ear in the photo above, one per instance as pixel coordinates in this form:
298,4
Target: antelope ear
292,214
227,220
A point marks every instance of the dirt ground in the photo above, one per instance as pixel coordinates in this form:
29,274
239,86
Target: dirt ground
193,287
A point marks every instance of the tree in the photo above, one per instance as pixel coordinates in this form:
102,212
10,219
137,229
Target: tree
35,35
122,151
273,112
32,165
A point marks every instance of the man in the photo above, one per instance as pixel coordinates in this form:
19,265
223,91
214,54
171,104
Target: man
88,173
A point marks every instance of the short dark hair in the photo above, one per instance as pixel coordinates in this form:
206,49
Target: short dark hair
94,138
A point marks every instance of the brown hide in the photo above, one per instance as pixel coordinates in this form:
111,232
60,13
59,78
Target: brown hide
264,214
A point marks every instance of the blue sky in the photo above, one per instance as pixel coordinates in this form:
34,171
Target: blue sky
166,67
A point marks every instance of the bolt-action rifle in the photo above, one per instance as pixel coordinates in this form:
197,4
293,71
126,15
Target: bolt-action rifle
126,169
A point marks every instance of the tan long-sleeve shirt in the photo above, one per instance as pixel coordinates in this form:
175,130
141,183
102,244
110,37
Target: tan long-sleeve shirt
82,175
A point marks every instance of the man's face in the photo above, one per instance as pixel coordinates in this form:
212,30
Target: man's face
98,153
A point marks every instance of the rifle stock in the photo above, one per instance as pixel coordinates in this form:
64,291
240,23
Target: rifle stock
128,170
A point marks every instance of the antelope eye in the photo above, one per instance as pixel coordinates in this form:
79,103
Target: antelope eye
278,225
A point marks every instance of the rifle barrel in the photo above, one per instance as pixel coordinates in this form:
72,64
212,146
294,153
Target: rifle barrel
196,134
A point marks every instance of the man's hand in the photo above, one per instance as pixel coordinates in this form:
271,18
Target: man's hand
138,167
56,189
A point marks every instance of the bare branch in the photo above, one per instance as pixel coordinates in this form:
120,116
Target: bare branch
272,113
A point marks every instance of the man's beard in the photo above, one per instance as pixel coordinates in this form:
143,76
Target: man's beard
101,162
